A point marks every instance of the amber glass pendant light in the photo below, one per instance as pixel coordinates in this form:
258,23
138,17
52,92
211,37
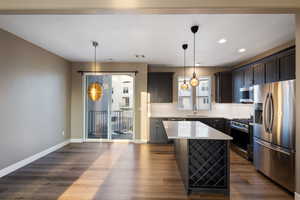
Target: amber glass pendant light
95,90
194,80
184,85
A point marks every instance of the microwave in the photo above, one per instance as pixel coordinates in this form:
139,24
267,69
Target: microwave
246,95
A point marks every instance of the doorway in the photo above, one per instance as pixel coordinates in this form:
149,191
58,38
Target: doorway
112,116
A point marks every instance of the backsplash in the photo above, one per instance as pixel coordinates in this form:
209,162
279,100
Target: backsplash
217,110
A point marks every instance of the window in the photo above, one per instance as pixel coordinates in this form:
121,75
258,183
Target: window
198,97
185,97
203,94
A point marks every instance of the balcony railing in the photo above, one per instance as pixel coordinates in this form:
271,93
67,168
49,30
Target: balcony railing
121,123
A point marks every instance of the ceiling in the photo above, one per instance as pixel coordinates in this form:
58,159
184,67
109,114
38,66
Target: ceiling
158,37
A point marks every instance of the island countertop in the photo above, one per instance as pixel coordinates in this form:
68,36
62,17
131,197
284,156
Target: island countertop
192,130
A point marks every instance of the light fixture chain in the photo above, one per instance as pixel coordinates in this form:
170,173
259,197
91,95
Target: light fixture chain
95,68
184,65
194,52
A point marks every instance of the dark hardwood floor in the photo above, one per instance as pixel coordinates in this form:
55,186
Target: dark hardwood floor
119,171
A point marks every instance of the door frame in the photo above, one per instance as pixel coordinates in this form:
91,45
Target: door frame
84,96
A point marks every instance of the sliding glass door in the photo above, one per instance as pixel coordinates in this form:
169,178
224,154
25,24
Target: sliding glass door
111,117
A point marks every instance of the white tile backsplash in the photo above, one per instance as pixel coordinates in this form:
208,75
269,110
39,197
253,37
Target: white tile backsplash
217,110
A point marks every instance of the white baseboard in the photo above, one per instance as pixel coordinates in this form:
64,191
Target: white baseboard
297,196
26,161
140,141
80,140
76,140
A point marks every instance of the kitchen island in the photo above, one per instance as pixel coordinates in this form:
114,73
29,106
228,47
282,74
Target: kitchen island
202,155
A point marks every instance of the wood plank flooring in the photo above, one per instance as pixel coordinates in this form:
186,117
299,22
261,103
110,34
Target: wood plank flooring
121,171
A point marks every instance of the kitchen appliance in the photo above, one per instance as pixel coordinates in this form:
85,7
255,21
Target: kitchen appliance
242,138
246,95
274,131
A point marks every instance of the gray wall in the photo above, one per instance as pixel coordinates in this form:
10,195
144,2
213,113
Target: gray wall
35,88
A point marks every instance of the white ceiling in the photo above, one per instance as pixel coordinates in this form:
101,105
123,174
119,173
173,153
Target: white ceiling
158,37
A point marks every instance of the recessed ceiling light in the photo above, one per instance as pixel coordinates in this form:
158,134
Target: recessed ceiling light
139,55
222,41
242,50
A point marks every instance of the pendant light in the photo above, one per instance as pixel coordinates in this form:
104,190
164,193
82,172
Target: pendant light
194,81
184,86
95,88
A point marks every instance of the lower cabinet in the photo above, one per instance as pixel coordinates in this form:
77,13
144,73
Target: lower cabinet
216,123
227,126
157,131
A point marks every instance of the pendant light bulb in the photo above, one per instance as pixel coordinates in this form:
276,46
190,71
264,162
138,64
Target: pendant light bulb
184,85
95,90
194,81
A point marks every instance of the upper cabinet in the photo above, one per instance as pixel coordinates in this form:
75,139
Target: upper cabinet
223,87
237,83
286,64
160,87
272,69
248,76
259,72
277,67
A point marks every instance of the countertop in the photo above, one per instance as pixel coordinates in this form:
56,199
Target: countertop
190,116
192,130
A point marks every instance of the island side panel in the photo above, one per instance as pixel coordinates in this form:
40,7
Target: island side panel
209,167
182,159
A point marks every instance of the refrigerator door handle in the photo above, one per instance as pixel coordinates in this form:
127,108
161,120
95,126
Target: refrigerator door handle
272,113
266,113
270,146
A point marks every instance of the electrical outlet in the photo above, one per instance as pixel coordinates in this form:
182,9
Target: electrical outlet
63,133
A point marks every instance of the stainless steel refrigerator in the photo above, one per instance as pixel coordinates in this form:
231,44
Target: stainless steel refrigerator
274,131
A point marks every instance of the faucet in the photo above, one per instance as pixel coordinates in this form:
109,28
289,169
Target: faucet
194,109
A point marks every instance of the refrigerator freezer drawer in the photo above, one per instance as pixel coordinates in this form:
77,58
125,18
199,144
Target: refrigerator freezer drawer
276,164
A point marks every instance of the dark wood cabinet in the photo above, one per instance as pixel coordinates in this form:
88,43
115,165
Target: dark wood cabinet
287,64
272,69
278,67
217,123
223,87
157,132
259,73
227,128
237,83
160,87
248,76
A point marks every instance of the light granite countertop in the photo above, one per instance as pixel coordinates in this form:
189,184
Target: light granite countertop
192,130
191,116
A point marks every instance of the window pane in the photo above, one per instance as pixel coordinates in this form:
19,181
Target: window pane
185,97
203,91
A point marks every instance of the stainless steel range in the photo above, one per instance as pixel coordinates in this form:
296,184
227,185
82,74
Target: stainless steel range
241,124
242,138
